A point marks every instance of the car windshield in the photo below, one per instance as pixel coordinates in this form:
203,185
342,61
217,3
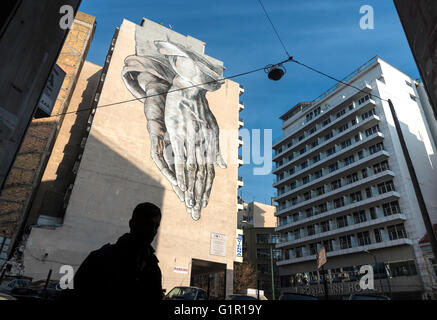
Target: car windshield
182,293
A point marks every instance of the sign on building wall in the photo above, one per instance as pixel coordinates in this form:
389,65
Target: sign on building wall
239,247
50,93
180,270
218,244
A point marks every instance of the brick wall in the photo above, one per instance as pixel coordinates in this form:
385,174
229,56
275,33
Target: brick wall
28,168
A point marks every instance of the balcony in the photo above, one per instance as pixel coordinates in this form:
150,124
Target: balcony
321,132
240,161
372,139
356,249
350,94
240,123
240,106
339,231
359,127
240,141
345,170
241,89
329,196
240,182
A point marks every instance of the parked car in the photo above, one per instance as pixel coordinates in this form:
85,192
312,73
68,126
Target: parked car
16,283
4,296
367,296
35,290
296,296
186,293
240,297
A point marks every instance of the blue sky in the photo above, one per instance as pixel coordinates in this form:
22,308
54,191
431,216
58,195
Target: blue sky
323,34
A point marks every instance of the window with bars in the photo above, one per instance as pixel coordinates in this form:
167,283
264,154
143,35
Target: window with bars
330,151
336,184
311,230
346,143
307,195
343,127
376,148
333,167
372,130
324,226
342,222
356,196
339,202
351,178
378,234
320,190
318,174
368,114
346,242
329,136
328,244
349,160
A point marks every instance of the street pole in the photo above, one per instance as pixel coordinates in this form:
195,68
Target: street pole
273,275
376,266
414,180
325,282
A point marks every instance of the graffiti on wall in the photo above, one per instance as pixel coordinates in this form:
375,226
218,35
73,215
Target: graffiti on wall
172,81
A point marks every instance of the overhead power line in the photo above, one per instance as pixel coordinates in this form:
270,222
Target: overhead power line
274,28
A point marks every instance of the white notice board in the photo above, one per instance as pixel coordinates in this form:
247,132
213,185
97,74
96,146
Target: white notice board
218,244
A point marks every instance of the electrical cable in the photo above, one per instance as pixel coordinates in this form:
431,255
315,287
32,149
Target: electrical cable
166,92
274,28
332,78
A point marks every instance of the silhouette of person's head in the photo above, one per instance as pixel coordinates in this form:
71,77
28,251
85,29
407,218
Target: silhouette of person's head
145,222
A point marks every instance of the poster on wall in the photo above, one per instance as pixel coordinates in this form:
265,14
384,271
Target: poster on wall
172,81
218,244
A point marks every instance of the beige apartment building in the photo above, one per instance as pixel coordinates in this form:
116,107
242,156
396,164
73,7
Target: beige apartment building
116,170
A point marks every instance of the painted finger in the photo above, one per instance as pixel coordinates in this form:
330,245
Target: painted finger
191,166
199,187
156,152
210,174
179,193
179,161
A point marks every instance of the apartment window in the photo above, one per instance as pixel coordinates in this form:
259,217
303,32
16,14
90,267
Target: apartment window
342,112
391,208
316,158
368,192
320,190
368,114
311,230
363,99
328,245
386,187
356,196
317,174
330,151
302,151
379,167
342,222
354,121
372,213
295,217
326,122
263,253
290,157
350,107
357,138
360,216
360,155
275,238
307,195
346,242
378,234
404,268
303,165
349,160
314,144
298,252
339,202
290,144
376,147
346,143
313,248
364,173
294,201
343,127
292,185
262,238
372,130
352,178
333,167
309,116
396,231
313,130
324,226
323,208
305,179
363,238
329,136
301,137
336,184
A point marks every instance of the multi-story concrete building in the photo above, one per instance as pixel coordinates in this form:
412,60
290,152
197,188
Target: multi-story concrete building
258,222
124,162
343,183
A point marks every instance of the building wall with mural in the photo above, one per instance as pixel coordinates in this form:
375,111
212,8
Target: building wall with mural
24,179
136,151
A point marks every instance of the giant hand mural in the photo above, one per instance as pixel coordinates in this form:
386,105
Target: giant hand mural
183,131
